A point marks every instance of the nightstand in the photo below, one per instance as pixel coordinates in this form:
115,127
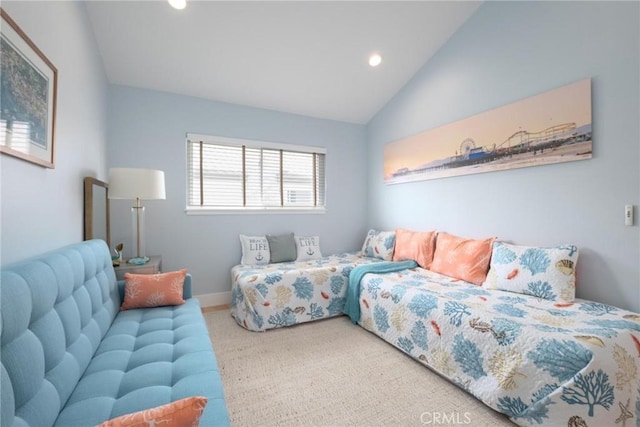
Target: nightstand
154,266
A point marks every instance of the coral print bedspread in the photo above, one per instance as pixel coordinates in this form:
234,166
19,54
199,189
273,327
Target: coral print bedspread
540,362
284,294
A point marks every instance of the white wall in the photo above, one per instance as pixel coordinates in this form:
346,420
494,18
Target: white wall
42,209
506,52
147,129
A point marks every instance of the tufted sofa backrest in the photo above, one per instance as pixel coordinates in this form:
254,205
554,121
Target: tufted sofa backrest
55,309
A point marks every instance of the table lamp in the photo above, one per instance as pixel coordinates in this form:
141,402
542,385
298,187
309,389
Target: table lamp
137,184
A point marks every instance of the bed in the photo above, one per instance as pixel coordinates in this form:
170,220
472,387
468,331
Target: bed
284,294
538,361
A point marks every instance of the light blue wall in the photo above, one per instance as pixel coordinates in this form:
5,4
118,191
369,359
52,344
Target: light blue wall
42,209
147,129
506,52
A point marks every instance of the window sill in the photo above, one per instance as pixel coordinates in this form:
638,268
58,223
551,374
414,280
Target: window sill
253,211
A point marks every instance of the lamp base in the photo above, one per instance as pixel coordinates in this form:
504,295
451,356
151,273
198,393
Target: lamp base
138,226
138,260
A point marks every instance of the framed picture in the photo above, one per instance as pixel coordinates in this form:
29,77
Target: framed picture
28,86
551,127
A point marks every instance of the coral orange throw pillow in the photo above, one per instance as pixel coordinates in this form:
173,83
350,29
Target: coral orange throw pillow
181,413
464,259
153,290
415,245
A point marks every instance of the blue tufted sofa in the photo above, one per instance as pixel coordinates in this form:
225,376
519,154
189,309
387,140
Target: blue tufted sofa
71,358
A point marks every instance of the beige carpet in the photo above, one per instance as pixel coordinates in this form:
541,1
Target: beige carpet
332,373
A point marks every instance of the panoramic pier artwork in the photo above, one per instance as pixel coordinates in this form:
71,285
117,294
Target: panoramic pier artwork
552,127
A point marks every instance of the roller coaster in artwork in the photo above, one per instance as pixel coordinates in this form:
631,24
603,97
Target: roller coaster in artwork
520,142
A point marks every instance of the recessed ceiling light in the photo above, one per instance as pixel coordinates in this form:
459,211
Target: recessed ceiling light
178,4
375,60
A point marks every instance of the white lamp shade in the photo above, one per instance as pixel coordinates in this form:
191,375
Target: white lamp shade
132,183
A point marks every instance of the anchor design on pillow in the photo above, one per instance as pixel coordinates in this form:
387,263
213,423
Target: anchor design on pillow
310,252
259,257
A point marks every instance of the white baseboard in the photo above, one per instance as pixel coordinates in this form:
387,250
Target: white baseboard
214,299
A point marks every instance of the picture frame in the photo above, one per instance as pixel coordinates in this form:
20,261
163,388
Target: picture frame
548,128
28,89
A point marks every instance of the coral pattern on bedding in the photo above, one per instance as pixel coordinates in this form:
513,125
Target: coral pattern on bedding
548,273
284,294
540,362
379,244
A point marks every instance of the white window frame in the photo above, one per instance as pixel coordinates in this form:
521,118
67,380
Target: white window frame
237,142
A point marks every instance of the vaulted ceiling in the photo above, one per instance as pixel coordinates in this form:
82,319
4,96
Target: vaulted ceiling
300,57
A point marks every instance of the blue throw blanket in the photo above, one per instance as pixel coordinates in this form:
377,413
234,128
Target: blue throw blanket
352,305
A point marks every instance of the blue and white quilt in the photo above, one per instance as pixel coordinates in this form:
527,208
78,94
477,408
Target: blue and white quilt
284,294
540,362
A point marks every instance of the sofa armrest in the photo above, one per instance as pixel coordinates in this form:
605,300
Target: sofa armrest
121,290
186,290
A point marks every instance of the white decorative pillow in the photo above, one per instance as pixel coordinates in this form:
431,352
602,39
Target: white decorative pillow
308,247
255,250
548,273
379,244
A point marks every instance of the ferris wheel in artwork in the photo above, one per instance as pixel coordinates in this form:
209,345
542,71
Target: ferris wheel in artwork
467,146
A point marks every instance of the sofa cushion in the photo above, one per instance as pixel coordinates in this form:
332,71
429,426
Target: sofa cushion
183,412
153,290
55,310
149,357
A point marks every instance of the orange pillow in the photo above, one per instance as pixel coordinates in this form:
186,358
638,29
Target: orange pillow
464,259
181,413
415,245
153,290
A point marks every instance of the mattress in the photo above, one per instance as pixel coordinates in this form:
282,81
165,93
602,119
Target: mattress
284,294
539,362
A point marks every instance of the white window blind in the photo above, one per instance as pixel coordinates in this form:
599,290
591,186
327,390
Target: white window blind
224,173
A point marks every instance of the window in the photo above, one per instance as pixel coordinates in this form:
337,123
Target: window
231,174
